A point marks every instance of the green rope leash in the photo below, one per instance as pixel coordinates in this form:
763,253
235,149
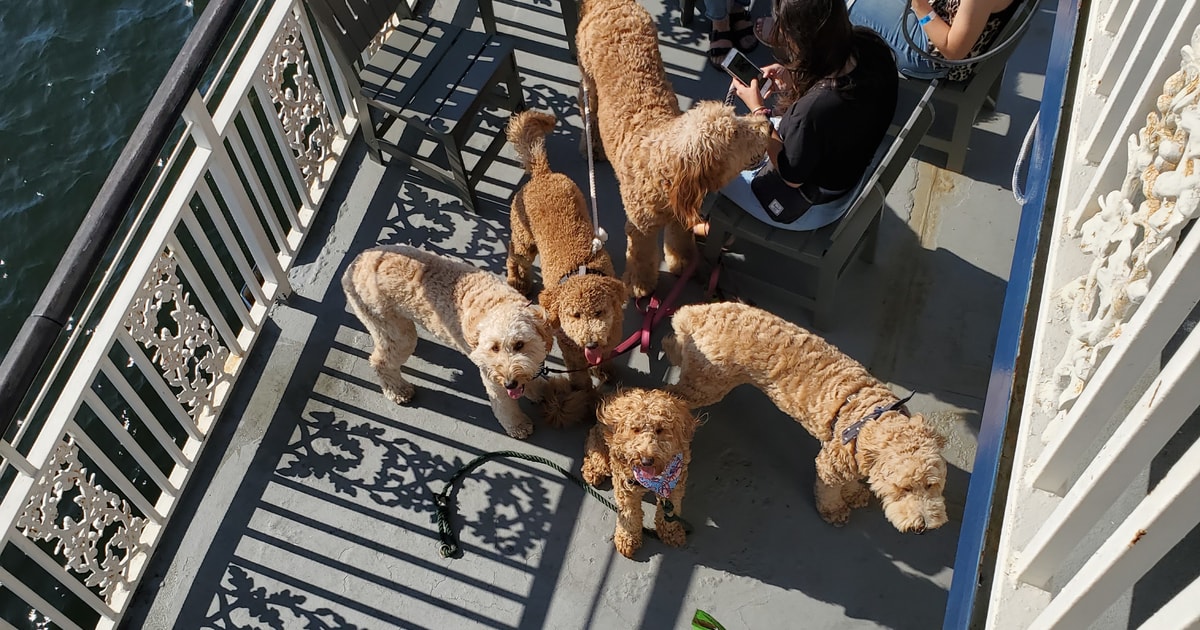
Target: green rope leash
449,546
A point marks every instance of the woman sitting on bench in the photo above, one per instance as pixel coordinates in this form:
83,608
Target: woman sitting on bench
951,29
836,86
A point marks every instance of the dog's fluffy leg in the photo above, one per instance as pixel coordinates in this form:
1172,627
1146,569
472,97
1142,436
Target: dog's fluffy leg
856,494
628,495
595,457
575,362
507,410
672,532
641,259
679,247
521,248
393,346
830,503
586,81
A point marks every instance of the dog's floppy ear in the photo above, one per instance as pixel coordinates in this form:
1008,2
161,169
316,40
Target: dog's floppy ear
545,327
619,293
471,333
687,188
918,420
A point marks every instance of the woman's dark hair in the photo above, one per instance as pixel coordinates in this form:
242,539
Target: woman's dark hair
814,39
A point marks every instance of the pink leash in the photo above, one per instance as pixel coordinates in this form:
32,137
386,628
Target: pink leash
656,311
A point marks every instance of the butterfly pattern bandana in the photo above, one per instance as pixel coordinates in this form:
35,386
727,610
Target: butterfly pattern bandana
663,484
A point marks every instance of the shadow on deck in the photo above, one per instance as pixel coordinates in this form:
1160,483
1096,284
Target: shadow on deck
313,507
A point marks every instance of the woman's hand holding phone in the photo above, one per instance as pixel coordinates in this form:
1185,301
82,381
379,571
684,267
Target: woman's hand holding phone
750,94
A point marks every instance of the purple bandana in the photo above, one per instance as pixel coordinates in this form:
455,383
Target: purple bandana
663,484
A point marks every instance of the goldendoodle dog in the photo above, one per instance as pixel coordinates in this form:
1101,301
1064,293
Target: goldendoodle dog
393,288
581,293
665,160
865,431
643,439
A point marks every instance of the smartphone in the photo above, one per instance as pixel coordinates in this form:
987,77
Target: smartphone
741,68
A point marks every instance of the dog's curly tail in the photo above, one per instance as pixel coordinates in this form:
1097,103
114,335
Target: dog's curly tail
527,132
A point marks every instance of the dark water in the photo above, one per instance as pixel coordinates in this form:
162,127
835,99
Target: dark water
74,80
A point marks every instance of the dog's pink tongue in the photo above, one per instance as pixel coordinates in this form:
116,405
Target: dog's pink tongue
593,355
645,472
516,392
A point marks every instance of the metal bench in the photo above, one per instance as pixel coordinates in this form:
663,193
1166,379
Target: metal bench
828,250
419,96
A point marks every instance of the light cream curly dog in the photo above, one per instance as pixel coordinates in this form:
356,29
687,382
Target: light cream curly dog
393,288
647,432
721,346
665,160
581,293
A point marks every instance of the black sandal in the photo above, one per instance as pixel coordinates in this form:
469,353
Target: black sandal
716,54
741,31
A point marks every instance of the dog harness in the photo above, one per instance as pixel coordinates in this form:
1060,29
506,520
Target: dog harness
851,432
664,483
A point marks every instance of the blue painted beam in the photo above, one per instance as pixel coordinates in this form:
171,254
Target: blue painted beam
973,562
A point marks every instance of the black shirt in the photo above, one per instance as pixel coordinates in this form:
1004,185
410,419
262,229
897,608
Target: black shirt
831,132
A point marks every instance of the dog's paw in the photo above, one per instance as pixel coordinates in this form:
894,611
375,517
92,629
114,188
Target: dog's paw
671,533
856,495
400,393
520,429
676,265
627,543
836,516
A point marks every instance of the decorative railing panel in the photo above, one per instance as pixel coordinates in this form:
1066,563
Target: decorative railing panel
92,471
1114,367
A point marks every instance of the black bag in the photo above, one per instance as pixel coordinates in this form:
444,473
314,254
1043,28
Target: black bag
785,203
782,202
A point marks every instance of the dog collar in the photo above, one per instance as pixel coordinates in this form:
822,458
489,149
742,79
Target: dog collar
663,484
582,271
851,432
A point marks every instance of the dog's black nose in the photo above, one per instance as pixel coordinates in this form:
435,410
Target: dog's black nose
647,461
511,384
592,346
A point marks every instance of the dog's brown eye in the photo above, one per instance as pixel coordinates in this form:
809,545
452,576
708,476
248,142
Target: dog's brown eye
517,346
575,315
658,431
599,313
495,347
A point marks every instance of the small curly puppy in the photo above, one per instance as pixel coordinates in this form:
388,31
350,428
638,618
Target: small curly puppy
865,431
393,288
665,160
643,439
582,295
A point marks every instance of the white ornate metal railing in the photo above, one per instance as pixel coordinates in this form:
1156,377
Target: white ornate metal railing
1107,386
92,472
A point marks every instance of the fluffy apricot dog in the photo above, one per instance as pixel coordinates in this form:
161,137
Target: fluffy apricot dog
665,160
643,440
581,293
864,432
393,288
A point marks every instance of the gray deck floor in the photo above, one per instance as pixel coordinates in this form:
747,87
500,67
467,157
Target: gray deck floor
313,505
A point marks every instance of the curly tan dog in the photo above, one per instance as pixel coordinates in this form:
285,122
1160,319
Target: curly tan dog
393,288
581,293
643,433
665,160
830,395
